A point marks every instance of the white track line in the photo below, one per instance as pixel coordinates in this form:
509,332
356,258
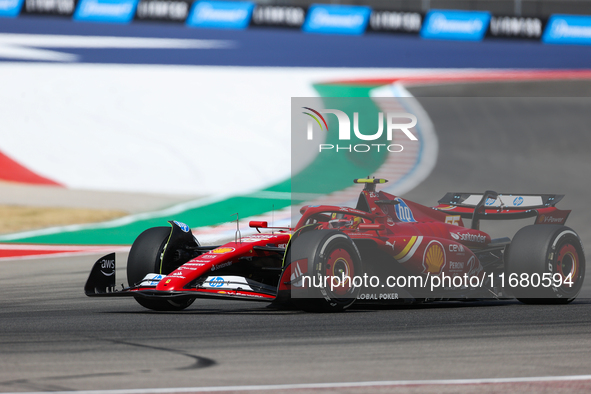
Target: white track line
26,46
396,383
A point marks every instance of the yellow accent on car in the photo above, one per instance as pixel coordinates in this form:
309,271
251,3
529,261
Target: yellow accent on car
370,180
406,248
222,250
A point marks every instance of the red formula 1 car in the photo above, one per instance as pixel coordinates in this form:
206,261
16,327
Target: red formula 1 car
387,250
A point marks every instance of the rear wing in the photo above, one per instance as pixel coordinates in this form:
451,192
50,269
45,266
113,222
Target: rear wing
491,205
503,201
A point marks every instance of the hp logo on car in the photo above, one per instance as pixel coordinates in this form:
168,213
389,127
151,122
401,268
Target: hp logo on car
216,282
403,212
518,201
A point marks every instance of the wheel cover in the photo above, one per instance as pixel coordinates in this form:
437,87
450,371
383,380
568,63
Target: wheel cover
567,263
340,264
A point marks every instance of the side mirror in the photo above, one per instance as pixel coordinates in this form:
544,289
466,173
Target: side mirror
257,224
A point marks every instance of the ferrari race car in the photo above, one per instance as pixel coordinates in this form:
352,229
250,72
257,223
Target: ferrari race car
386,250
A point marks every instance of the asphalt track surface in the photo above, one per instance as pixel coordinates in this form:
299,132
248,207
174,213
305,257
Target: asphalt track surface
53,338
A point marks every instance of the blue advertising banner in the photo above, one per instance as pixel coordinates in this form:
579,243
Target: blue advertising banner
221,14
568,29
114,11
337,19
10,8
456,25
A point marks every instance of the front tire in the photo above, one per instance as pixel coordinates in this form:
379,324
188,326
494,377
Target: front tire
328,253
145,257
552,250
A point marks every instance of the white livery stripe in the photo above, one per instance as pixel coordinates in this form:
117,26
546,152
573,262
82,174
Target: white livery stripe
412,250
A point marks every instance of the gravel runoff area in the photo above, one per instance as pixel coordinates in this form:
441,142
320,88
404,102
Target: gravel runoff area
26,207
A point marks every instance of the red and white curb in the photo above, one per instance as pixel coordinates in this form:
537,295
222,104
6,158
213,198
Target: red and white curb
24,251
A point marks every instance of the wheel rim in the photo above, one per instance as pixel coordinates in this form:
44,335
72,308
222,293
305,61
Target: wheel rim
568,263
340,264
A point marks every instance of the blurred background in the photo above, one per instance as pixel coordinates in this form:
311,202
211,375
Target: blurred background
113,108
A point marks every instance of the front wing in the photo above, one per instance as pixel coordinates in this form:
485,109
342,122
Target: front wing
102,283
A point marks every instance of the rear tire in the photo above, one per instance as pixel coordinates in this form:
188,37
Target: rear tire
546,249
145,257
328,253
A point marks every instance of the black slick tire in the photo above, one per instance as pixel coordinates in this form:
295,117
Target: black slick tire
546,251
326,253
145,257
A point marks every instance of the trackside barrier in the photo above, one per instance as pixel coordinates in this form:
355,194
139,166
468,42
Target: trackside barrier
318,18
337,19
568,29
508,26
278,16
10,8
395,22
220,14
455,25
49,7
113,11
163,10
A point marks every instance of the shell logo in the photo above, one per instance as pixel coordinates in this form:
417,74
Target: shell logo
434,258
222,250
